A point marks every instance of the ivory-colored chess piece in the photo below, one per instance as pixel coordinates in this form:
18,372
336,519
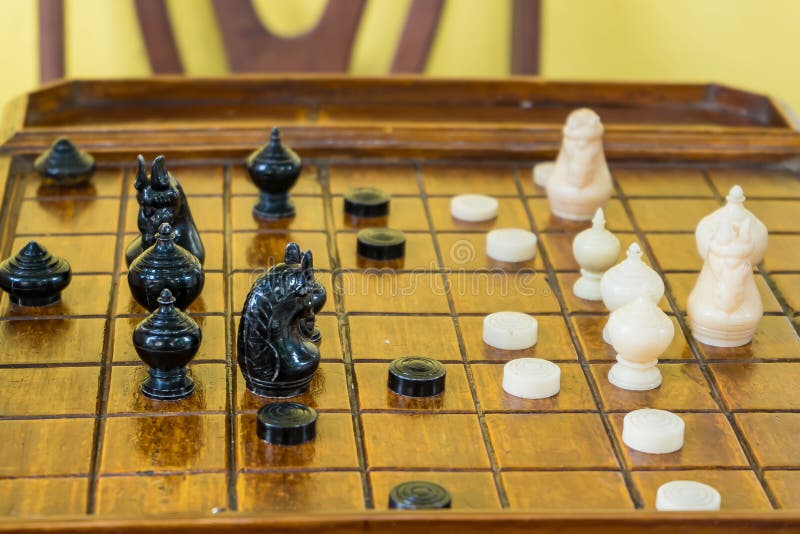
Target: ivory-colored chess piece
531,378
724,307
629,279
512,245
736,212
595,249
542,172
687,496
653,431
640,332
580,182
510,330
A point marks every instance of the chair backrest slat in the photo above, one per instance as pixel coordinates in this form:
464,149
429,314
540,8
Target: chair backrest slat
418,34
162,50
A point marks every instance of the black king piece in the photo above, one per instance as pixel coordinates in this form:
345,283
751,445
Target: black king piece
277,342
162,200
274,168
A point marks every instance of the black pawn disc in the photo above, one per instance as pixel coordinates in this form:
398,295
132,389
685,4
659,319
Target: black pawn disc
65,163
34,277
366,202
286,423
381,244
166,265
166,341
274,169
416,377
419,495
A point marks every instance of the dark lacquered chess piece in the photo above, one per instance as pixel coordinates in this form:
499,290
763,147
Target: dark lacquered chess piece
166,341
166,265
34,277
277,351
274,168
64,164
162,200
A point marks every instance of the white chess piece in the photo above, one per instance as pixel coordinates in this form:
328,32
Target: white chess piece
580,182
640,332
629,279
595,249
737,213
542,172
724,307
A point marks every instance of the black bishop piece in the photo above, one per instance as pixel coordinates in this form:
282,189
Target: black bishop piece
34,277
166,265
274,168
64,164
166,341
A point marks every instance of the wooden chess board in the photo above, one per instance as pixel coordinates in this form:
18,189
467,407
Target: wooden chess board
83,449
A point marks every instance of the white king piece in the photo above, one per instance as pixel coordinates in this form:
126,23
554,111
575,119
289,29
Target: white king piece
725,307
581,181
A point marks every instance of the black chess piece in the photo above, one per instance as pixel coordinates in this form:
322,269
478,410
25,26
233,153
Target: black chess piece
277,353
274,168
162,200
166,265
166,341
64,164
34,277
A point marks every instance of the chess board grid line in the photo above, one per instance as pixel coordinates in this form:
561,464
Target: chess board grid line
230,368
104,382
710,377
351,379
594,389
502,494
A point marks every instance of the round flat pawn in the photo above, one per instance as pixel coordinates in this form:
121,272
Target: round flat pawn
419,495
512,245
286,423
653,431
381,244
687,496
473,208
531,378
366,202
416,376
509,330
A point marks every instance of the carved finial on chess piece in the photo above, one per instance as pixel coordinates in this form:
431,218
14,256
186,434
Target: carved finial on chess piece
162,200
734,209
581,181
277,341
724,307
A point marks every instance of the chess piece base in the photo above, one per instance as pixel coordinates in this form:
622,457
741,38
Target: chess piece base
634,376
721,338
173,384
273,206
35,302
282,390
587,287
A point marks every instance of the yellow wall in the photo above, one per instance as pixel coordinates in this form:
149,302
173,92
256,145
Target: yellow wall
753,44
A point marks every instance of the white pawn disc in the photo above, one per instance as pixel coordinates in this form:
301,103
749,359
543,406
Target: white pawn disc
473,208
511,245
653,431
531,378
542,171
510,330
687,496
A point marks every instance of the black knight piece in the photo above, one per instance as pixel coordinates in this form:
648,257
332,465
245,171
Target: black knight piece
34,277
166,341
64,164
162,200
166,265
274,168
277,349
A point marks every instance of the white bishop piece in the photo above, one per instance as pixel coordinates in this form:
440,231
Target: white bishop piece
724,307
595,249
629,279
738,214
640,332
580,182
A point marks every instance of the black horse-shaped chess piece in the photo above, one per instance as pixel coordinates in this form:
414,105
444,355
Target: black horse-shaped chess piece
162,200
277,343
